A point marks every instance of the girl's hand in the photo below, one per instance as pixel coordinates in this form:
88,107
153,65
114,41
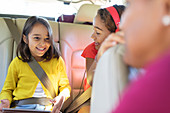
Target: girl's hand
4,104
58,102
112,40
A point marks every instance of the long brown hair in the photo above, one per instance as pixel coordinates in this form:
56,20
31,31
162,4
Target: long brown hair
23,48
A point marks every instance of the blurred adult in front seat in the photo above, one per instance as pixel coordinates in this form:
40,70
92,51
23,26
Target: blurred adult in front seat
147,37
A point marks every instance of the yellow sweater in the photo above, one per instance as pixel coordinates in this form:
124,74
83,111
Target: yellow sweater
21,81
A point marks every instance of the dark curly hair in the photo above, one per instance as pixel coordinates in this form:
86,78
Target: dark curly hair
107,18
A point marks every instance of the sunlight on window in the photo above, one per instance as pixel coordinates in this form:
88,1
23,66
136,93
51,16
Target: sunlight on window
48,8
31,7
112,2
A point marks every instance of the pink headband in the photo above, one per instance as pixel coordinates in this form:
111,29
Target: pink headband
115,16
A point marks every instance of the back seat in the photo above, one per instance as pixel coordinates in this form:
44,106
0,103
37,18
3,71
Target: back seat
8,31
74,38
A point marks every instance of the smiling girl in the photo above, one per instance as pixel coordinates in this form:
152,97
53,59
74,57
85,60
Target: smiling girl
21,82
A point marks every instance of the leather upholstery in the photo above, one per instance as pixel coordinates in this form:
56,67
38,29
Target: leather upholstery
111,77
74,38
7,33
86,13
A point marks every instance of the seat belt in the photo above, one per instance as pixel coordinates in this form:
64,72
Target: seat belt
13,30
40,73
80,100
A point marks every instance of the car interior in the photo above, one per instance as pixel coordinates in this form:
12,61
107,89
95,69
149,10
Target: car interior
69,38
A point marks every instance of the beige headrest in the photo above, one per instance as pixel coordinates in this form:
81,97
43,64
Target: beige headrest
86,13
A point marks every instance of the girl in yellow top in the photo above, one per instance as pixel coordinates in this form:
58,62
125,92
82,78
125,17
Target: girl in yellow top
21,82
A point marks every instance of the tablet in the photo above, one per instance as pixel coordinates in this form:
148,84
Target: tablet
13,110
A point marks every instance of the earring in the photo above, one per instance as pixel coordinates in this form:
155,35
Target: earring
166,20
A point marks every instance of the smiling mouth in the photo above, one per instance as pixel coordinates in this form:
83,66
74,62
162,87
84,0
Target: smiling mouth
96,44
41,49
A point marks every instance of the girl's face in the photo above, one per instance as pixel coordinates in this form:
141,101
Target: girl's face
38,41
100,31
143,31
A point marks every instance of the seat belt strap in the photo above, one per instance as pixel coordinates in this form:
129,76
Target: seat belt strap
80,100
40,73
13,30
